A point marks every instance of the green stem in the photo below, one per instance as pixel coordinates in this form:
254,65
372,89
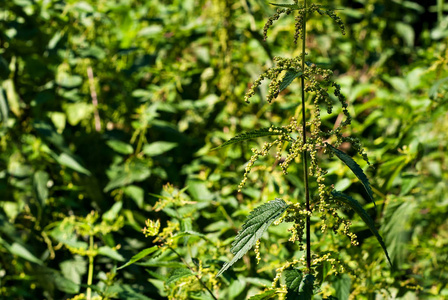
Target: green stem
304,152
90,275
192,271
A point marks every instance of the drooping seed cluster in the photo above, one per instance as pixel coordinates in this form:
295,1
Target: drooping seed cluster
274,18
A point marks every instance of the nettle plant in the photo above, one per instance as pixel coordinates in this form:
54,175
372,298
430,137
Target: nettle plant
302,141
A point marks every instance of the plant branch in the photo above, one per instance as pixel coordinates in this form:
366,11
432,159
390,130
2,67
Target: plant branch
304,152
193,271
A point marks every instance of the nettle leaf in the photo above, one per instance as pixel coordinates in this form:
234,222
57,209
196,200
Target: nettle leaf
356,169
299,287
265,295
287,5
178,274
252,135
139,256
288,79
353,204
256,224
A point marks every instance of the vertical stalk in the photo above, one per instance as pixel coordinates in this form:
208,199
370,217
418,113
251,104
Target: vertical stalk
304,152
90,275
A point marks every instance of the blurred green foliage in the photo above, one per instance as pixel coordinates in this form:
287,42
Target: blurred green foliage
102,103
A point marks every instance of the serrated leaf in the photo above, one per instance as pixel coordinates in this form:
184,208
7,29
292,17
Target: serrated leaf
293,278
178,274
356,169
139,256
353,204
256,224
299,288
264,296
287,5
288,79
342,286
252,135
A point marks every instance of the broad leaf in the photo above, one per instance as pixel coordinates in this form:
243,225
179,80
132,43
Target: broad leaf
299,287
139,256
288,79
356,169
264,296
256,224
252,135
342,286
353,204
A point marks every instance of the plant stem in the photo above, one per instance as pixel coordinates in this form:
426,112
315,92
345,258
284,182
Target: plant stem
192,270
304,152
90,275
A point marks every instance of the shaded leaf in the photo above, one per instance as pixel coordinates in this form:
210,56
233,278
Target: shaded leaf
288,79
252,135
256,224
68,161
139,256
40,185
299,287
356,169
158,148
353,204
342,286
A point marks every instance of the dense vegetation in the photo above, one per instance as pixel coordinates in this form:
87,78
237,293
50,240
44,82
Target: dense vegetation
109,111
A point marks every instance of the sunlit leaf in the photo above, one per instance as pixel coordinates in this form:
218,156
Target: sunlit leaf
140,255
252,135
265,295
256,224
178,274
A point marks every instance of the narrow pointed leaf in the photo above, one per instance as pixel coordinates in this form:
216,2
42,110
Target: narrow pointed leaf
287,5
356,169
353,204
256,224
139,256
288,79
252,135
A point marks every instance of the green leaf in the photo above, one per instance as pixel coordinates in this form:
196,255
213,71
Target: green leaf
264,296
299,287
20,251
40,185
139,256
293,278
158,148
252,135
68,161
256,224
342,286
178,274
353,204
74,269
356,169
109,252
288,79
287,5
120,147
